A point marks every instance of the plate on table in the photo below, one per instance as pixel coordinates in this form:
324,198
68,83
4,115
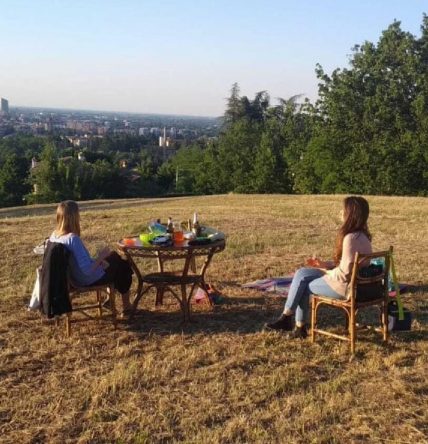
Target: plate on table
200,241
161,240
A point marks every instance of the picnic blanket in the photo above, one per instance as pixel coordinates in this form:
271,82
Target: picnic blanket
278,285
281,286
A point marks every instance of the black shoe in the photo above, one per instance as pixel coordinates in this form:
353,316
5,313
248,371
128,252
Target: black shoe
299,333
284,322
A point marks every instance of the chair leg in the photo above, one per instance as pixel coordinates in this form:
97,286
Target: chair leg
68,324
313,319
352,330
385,321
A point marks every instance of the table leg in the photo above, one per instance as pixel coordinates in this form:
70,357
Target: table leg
159,296
140,284
185,304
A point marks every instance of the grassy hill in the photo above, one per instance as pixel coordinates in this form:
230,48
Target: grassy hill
221,378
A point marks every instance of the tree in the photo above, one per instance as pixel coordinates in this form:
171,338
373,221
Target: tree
370,118
234,109
45,177
13,183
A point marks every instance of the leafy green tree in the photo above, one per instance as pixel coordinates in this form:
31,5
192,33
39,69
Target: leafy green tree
371,118
13,183
45,177
106,181
264,179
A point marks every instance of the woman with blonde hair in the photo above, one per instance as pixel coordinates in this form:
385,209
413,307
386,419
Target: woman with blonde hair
352,236
107,268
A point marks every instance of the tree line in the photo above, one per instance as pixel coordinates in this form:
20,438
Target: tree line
367,133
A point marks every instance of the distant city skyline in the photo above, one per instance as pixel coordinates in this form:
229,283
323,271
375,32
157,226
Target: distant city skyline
180,58
100,111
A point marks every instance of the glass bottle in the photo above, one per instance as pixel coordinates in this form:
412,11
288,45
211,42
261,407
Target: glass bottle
196,228
170,226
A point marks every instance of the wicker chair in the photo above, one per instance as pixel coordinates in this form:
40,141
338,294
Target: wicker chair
57,291
364,291
109,293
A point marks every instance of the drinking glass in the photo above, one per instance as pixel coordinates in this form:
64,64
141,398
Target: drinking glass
178,233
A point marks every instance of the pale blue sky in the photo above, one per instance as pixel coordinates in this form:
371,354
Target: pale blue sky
180,57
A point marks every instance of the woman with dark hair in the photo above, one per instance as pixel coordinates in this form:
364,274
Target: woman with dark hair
107,268
353,236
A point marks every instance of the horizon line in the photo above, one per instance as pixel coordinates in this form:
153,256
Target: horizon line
112,112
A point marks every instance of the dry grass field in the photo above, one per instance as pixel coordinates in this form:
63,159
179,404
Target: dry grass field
221,378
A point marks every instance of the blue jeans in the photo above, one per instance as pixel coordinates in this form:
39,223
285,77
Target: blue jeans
305,282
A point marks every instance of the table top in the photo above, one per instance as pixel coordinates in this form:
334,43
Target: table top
182,246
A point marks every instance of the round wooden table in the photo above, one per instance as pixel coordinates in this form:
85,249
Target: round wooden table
178,281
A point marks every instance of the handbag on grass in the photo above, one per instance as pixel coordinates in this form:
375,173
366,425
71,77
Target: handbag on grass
394,321
35,296
399,318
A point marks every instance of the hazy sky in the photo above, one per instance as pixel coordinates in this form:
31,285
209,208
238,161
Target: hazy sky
180,57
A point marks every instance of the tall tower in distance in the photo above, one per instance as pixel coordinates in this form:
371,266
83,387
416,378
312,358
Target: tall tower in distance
4,106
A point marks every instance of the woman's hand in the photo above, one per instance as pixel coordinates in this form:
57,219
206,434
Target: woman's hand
102,254
318,263
99,260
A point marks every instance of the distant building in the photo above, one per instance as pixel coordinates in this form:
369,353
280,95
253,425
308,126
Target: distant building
162,139
78,142
102,130
4,106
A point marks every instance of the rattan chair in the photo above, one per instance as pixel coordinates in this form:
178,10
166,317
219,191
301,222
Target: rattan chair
57,291
103,293
364,290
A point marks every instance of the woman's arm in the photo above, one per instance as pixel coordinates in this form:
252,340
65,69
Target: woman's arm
99,260
318,263
83,259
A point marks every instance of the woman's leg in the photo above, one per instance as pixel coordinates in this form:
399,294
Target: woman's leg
298,296
118,273
320,286
297,300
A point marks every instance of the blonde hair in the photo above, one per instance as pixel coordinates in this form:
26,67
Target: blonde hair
67,218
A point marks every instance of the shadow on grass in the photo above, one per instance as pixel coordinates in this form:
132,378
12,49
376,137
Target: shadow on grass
224,318
248,315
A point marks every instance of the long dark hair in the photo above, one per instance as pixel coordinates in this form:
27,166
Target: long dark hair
355,215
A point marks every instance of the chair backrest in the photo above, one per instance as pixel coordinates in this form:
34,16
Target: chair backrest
369,279
54,294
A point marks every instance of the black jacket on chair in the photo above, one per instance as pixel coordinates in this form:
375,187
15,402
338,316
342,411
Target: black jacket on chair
54,295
